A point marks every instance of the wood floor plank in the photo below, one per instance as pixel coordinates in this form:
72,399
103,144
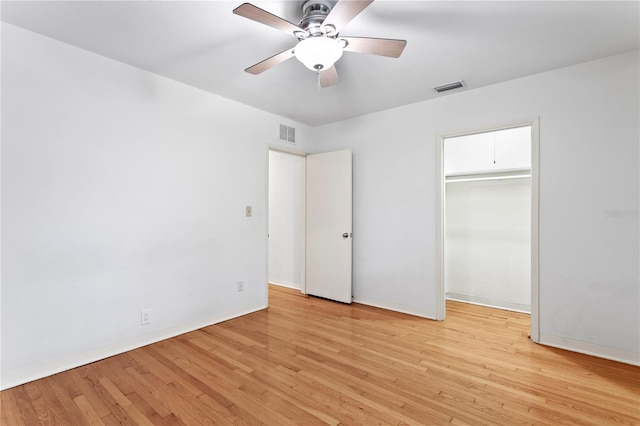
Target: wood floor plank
285,389
45,403
89,415
88,392
180,401
10,411
151,414
147,392
122,400
69,408
58,401
306,360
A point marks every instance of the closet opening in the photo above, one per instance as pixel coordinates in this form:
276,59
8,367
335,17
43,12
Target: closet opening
488,221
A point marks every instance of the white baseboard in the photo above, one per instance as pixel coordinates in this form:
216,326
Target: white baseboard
29,373
286,284
392,307
592,349
490,303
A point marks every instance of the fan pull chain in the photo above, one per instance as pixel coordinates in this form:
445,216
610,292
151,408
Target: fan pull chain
318,82
494,148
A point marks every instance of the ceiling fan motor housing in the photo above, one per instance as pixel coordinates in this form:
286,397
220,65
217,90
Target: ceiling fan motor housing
314,12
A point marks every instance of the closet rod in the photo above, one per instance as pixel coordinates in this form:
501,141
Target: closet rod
486,178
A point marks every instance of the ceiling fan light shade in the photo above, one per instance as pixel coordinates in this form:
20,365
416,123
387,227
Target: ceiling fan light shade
318,53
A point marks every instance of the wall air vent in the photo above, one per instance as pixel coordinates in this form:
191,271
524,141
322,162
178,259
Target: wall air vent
449,86
287,134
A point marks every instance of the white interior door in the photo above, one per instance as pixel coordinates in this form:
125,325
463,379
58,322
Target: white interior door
329,240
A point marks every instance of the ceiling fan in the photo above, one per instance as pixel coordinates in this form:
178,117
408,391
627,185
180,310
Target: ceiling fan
319,43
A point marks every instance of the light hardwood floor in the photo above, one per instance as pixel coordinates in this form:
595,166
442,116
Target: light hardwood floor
310,361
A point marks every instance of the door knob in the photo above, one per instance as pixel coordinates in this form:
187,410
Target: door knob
345,235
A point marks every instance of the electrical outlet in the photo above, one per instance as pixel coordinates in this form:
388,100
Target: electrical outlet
240,285
145,317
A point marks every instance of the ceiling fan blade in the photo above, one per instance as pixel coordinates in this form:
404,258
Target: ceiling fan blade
329,77
375,46
344,11
254,13
270,62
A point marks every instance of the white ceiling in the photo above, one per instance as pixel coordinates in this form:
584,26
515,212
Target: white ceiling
203,44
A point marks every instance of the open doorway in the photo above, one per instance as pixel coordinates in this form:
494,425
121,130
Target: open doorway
309,238
286,224
488,219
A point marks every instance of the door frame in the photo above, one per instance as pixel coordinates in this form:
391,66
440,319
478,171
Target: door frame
303,272
535,217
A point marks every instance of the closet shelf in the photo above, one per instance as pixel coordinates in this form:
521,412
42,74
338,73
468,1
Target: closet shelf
477,178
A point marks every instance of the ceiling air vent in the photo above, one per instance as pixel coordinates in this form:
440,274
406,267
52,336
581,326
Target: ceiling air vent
287,134
449,86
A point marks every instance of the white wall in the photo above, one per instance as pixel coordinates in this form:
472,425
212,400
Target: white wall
121,191
286,218
589,137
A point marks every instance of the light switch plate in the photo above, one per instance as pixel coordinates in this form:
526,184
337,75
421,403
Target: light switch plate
249,211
